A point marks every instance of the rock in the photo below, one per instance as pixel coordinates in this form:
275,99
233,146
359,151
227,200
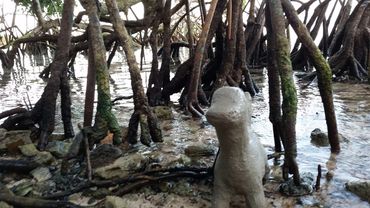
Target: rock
306,187
360,188
13,139
4,205
115,202
183,188
29,150
181,161
104,155
319,138
56,137
121,167
44,187
2,133
163,112
22,187
276,173
58,148
199,150
44,158
41,174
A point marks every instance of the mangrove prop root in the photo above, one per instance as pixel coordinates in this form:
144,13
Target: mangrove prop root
12,112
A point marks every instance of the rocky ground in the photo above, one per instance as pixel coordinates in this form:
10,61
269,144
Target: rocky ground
176,171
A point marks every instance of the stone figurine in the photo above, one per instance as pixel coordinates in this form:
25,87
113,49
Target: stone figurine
241,164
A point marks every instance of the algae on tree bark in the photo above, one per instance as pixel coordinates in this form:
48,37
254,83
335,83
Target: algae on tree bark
289,106
324,75
274,85
104,118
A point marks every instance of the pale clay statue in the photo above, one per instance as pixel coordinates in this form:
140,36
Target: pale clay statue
241,164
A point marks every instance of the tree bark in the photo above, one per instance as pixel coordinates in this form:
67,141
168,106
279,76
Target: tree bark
90,87
44,110
104,118
289,106
274,84
140,100
36,8
192,96
323,73
230,51
166,53
343,59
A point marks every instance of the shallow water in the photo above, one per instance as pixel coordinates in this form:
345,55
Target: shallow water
352,105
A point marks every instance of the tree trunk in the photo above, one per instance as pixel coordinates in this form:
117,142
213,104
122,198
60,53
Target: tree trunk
289,106
90,87
344,58
44,110
154,89
274,84
229,53
166,53
189,26
338,36
148,120
36,8
323,73
192,96
104,118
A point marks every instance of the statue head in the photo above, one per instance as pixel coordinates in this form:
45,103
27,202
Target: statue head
230,106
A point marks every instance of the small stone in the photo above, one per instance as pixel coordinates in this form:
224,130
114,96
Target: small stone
5,205
329,175
43,187
22,187
13,139
163,112
319,138
41,174
183,188
104,155
199,150
115,202
122,167
360,188
56,137
2,133
276,173
306,187
181,161
58,148
29,150
44,158
164,186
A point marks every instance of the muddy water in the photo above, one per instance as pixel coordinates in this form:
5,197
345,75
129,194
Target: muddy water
352,104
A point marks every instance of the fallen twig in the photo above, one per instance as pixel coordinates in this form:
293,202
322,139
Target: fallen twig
318,178
19,201
23,166
137,180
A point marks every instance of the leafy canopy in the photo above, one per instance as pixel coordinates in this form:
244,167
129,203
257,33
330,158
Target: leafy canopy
51,7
